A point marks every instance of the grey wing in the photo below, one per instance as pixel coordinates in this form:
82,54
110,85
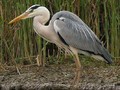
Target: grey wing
76,35
80,36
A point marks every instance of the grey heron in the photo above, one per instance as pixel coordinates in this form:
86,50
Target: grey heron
67,31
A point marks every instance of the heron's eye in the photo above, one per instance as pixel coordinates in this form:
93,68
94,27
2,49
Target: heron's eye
31,10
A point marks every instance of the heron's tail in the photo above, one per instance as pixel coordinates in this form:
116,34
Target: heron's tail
101,54
105,54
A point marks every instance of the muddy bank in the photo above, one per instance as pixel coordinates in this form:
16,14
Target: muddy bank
59,77
51,86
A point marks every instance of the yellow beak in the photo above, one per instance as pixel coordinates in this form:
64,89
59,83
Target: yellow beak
18,18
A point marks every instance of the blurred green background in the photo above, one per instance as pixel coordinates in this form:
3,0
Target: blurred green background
20,44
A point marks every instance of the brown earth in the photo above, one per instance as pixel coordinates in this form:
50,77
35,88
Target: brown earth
59,77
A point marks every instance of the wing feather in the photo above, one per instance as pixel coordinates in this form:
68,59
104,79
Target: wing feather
76,35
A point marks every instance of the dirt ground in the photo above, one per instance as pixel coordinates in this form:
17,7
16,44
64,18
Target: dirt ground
60,77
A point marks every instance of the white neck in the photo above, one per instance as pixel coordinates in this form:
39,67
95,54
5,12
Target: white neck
43,17
38,24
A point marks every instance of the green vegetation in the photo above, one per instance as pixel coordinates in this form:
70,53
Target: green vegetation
19,43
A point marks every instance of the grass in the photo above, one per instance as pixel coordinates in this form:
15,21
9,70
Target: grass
20,43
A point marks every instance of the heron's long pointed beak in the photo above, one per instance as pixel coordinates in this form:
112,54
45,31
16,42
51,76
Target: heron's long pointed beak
18,18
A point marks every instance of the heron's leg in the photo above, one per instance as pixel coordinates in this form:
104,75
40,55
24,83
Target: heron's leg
78,65
78,69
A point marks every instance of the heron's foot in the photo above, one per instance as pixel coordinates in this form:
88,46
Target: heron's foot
77,77
75,83
40,61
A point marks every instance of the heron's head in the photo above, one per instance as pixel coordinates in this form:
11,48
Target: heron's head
34,10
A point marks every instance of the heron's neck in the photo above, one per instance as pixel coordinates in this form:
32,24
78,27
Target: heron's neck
42,19
39,27
38,24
